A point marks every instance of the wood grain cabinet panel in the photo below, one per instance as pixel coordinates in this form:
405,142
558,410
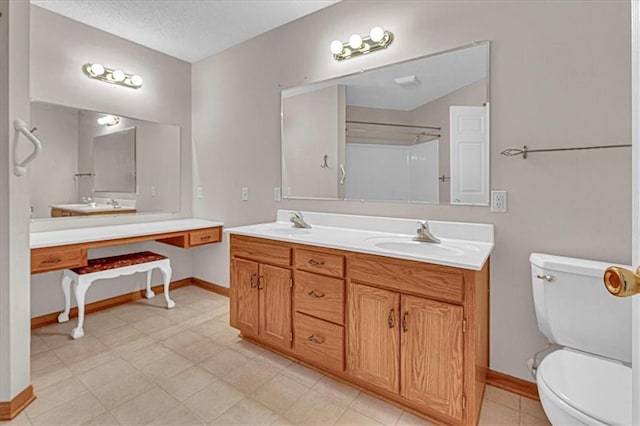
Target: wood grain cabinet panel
320,262
244,296
56,258
274,287
431,354
319,296
373,353
320,342
207,236
252,248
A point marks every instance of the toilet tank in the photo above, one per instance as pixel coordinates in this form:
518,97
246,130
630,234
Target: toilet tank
575,310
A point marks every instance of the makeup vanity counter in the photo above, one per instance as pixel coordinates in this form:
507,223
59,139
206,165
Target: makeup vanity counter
356,298
67,248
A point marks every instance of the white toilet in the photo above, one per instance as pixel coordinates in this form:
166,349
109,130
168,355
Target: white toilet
588,381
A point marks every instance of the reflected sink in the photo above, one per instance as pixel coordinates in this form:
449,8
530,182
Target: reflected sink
408,246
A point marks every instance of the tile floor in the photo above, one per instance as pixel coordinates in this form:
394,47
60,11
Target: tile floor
140,363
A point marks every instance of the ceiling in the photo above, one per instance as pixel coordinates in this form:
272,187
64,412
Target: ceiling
186,29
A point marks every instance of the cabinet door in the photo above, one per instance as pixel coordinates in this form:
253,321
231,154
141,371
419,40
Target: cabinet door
244,296
275,305
373,353
431,355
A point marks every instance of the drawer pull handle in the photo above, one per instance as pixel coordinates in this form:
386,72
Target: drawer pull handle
260,282
390,320
315,340
52,261
314,262
315,295
405,327
205,238
253,280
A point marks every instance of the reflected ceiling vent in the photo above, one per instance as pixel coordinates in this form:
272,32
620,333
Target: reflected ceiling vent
407,81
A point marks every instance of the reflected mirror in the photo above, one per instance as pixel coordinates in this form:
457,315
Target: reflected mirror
94,163
415,131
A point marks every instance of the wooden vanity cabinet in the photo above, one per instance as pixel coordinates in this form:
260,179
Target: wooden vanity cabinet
413,333
261,292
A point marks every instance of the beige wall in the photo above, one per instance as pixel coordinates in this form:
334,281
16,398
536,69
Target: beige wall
560,76
59,47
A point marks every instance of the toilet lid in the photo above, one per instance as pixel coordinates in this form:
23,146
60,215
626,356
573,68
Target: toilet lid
596,387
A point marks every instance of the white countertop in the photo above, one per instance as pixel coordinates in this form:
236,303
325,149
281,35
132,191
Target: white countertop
111,232
464,245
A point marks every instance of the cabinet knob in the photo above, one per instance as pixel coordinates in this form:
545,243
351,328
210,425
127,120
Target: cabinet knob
260,282
315,295
405,327
52,260
390,319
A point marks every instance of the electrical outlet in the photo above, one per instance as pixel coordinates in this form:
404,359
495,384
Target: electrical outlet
499,201
199,192
153,191
276,194
245,193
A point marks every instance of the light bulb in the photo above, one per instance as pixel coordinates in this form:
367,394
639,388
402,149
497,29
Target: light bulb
136,80
376,34
337,47
108,120
96,70
118,75
355,41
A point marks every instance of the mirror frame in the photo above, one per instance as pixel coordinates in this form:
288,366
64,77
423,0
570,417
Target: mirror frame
487,43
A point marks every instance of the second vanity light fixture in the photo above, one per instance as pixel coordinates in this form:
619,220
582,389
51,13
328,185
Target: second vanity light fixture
357,45
112,76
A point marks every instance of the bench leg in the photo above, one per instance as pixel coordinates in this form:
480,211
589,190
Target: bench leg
166,276
66,289
149,294
80,290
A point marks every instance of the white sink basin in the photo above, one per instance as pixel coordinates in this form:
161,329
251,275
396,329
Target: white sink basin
409,246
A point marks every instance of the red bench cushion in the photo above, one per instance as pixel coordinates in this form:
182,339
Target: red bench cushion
113,262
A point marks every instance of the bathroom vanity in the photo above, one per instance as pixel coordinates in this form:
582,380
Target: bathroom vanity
66,210
357,299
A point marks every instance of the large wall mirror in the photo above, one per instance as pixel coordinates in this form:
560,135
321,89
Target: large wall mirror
415,131
94,163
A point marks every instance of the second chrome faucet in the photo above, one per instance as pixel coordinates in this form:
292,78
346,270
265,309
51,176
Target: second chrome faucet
298,220
424,234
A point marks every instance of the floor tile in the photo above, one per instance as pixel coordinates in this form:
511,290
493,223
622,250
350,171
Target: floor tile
200,350
145,407
531,407
315,409
104,419
273,360
214,400
124,389
166,366
179,417
279,393
38,345
302,374
20,420
408,419
250,376
247,412
377,409
91,362
54,396
342,393
493,413
526,419
503,397
107,373
80,349
76,411
247,349
187,382
49,377
354,418
224,362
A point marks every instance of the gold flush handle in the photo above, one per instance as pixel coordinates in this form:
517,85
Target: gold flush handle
622,282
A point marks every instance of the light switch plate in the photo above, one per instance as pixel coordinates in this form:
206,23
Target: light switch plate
245,193
199,192
277,196
499,201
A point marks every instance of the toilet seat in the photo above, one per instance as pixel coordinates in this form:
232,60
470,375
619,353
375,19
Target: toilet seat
594,387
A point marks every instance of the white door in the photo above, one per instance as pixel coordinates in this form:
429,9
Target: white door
469,145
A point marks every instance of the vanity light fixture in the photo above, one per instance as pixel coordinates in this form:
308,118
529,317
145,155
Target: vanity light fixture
357,45
108,120
112,76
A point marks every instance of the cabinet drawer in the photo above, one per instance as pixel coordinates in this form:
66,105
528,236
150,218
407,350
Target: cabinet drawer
205,236
423,279
322,263
54,259
319,296
319,342
260,250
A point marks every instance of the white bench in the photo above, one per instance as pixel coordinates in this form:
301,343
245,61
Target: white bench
111,267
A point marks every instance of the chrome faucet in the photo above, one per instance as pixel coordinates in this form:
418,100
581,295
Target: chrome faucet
114,203
298,220
424,234
90,201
